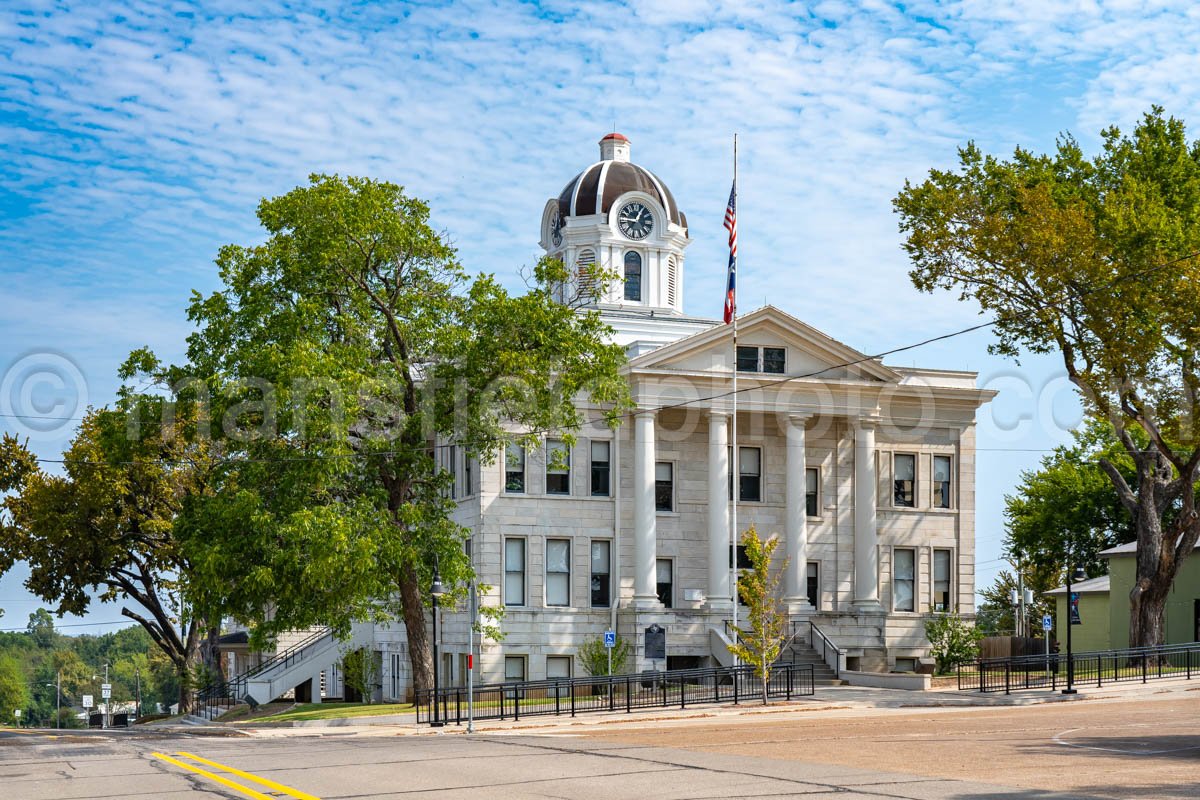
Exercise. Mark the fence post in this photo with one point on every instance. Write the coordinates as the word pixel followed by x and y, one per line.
pixel 1007 672
pixel 1099 671
pixel 1143 667
pixel 1188 654
pixel 628 701
pixel 516 703
pixel 682 694
pixel 664 691
pixel 458 706
pixel 716 687
pixel 502 702
pixel 572 699
pixel 736 675
pixel 557 698
pixel 611 692
pixel 789 684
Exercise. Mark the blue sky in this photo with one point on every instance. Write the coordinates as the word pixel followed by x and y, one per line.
pixel 139 136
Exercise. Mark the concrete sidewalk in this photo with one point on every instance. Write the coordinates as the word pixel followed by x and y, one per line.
pixel 829 701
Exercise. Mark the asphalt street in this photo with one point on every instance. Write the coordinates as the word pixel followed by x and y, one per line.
pixel 1139 746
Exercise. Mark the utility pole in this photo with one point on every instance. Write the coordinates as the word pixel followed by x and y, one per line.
pixel 137 676
pixel 58 701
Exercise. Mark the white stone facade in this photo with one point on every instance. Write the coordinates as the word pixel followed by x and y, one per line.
pixel 821 406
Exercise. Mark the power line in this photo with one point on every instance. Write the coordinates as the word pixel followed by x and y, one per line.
pixel 72 625
pixel 682 404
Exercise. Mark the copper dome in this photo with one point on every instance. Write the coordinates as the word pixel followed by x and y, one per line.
pixel 603 182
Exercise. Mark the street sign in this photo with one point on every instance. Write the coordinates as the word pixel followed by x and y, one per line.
pixel 87 701
pixel 610 638
pixel 17 713
pixel 106 692
pixel 1075 620
pixel 1047 622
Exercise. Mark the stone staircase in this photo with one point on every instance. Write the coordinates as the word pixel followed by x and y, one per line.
pixel 800 653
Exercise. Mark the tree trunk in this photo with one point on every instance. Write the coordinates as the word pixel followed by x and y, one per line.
pixel 419 655
pixel 191 656
pixel 1146 609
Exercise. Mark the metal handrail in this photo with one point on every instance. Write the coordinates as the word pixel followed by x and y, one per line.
pixel 826 642
pixel 287 656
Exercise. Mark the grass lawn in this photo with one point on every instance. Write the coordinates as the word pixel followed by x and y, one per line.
pixel 307 711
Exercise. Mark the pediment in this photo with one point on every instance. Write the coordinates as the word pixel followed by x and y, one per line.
pixel 809 352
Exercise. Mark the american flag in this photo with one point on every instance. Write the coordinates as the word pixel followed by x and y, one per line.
pixel 731 226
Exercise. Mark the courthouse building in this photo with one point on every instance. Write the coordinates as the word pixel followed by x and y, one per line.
pixel 865 471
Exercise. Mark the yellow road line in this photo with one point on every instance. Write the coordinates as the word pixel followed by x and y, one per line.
pixel 213 776
pixel 270 784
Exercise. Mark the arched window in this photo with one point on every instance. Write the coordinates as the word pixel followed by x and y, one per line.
pixel 633 277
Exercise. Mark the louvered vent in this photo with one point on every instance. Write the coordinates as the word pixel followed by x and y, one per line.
pixel 585 271
pixel 672 281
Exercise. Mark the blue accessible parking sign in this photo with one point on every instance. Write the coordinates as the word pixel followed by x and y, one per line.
pixel 610 638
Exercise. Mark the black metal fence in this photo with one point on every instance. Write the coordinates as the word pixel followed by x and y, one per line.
pixel 616 693
pixel 1085 669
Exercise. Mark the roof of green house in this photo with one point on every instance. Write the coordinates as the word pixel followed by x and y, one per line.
pixel 1127 549
pixel 1091 585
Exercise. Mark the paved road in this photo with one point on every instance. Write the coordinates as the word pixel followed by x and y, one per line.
pixel 1138 747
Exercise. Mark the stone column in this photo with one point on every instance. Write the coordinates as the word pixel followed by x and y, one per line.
pixel 796 517
pixel 644 533
pixel 866 550
pixel 719 596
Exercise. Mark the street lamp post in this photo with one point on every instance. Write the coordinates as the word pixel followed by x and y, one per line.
pixel 1079 575
pixel 436 591
pixel 137 676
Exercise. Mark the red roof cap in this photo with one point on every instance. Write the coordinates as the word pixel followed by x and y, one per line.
pixel 617 136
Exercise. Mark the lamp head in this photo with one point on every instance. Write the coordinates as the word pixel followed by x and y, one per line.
pixel 437 589
pixel 1079 575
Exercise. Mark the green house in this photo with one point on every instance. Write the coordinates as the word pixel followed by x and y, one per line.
pixel 1104 604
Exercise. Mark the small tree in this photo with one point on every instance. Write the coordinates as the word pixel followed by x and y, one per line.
pixel 761 643
pixel 951 640
pixel 594 657
pixel 359 671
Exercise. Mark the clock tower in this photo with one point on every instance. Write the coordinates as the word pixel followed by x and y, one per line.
pixel 617 228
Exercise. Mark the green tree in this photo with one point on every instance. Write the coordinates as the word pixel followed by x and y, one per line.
pixel 41 629
pixel 108 523
pixel 1095 260
pixel 14 690
pixel 360 672
pixel 593 655
pixel 1068 505
pixel 761 642
pixel 952 640
pixel 340 359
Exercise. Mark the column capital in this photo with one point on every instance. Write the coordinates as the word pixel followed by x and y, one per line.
pixel 866 421
pixel 800 417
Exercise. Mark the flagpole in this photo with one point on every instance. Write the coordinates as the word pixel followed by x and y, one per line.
pixel 735 483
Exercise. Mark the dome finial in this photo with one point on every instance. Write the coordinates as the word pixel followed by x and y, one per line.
pixel 614 147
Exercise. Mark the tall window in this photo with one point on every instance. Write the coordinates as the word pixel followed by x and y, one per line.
pixel 601 468
pixel 750 478
pixel 559 668
pixel 514 469
pixel 941 481
pixel 452 468
pixel 664 486
pixel 633 276
pixel 514 572
pixel 558 572
pixel 813 584
pixel 810 492
pixel 558 467
pixel 468 477
pixel 601 574
pixel 904 563
pixel 941 580
pixel 665 581
pixel 905 479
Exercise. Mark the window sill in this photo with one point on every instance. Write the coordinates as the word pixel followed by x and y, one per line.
pixel 658 513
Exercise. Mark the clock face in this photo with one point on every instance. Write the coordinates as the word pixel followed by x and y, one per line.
pixel 635 220
pixel 556 226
